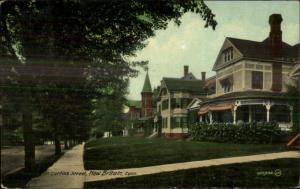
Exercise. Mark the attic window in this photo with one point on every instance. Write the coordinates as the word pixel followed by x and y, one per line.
pixel 228 54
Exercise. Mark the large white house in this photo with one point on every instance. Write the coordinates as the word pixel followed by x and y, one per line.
pixel 252 79
pixel 174 97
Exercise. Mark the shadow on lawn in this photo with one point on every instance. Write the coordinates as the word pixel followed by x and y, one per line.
pixel 20 178
pixel 263 174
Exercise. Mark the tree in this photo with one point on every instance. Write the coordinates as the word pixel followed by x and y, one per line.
pixel 97 35
pixel 108 112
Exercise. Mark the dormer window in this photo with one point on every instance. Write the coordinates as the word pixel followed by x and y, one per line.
pixel 228 54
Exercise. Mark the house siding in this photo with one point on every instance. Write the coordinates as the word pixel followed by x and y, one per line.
pixel 242 76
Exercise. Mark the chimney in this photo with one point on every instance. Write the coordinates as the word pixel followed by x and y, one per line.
pixel 276 50
pixel 275 34
pixel 185 70
pixel 203 76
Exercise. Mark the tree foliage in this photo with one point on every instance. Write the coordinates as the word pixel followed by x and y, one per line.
pixel 98 36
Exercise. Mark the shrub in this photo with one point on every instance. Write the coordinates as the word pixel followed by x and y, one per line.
pixel 255 132
pixel 99 134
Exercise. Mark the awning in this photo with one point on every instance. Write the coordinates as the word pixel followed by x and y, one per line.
pixel 216 107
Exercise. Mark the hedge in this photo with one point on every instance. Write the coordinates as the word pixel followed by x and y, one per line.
pixel 255 132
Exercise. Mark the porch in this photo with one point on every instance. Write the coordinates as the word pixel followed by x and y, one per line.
pixel 247 111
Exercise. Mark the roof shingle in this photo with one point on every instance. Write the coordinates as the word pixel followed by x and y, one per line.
pixel 262 50
pixel 177 84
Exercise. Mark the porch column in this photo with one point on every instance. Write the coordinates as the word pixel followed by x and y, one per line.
pixel 210 117
pixel 250 113
pixel 268 107
pixel 291 115
pixel 234 114
pixel 200 118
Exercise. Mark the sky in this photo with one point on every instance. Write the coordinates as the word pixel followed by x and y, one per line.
pixel 193 45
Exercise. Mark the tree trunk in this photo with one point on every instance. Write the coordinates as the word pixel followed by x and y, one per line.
pixel 56 139
pixel 28 141
pixel 57 145
pixel 66 145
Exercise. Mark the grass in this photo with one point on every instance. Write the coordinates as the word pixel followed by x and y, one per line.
pixel 129 152
pixel 247 175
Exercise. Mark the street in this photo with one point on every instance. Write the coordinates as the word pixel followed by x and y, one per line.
pixel 13 157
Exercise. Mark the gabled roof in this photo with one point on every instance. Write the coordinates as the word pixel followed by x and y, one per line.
pixel 210 82
pixel 147 85
pixel 155 95
pixel 189 76
pixel 178 84
pixel 194 104
pixel 261 50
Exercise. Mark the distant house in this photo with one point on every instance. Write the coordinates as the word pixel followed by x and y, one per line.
pixel 140 115
pixel 251 80
pixel 174 97
pixel 134 109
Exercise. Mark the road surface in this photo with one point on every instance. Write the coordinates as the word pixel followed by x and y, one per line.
pixel 12 158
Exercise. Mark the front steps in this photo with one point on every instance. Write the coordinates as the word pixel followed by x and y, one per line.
pixel 294 143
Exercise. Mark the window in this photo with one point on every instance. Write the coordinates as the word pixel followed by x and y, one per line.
pixel 228 54
pixel 257 80
pixel 184 122
pixel 178 122
pixel 227 84
pixel 227 88
pixel 180 102
pixel 185 102
pixel 164 91
pixel 164 122
pixel 173 103
pixel 175 122
pixel 165 104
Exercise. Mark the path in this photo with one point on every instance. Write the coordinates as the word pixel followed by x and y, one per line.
pixel 121 173
pixel 56 176
pixel 12 158
pixel 68 171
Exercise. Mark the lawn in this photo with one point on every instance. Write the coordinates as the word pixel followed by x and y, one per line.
pixel 282 173
pixel 129 152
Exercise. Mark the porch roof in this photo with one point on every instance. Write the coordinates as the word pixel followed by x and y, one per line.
pixel 216 107
pixel 248 94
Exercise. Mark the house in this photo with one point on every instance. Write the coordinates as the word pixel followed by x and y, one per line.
pixel 140 114
pixel 134 109
pixel 251 80
pixel 174 97
pixel 193 108
pixel 132 115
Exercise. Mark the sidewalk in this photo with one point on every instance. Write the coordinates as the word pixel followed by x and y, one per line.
pixel 98 175
pixel 59 175
pixel 68 171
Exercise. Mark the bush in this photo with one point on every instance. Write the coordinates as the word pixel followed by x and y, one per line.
pixel 255 132
pixel 99 134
